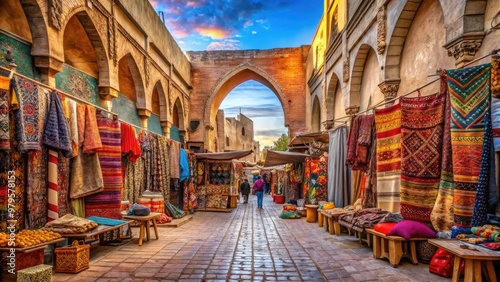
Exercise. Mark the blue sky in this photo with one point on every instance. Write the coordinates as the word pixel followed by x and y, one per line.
pixel 239 25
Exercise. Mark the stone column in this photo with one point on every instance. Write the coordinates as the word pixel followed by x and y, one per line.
pixel 465 47
pixel 390 90
pixel 165 126
pixel 352 110
pixel 106 95
pixel 48 67
pixel 144 114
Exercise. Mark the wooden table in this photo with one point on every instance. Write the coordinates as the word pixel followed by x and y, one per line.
pixel 477 261
pixel 144 224
pixel 331 221
pixel 32 248
pixel 100 229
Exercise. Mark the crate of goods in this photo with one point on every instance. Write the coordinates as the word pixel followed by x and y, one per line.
pixel 74 258
pixel 39 273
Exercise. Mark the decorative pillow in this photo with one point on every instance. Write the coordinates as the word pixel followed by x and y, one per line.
pixel 411 229
pixel 384 227
pixel 141 210
pixel 392 217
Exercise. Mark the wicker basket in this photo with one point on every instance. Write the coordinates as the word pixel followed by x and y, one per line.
pixel 73 259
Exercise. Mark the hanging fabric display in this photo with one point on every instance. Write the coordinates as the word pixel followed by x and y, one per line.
pixel 495 121
pixel 56 134
pixel 134 180
pixel 495 76
pixel 4 113
pixel 174 159
pixel 164 165
pixel 356 185
pixel 307 179
pixel 5 147
pixel 183 165
pixel 130 145
pixel 36 189
pixel 107 203
pixel 370 183
pixel 338 182
pixel 421 138
pixel 470 95
pixel 296 179
pixel 388 124
pixel 63 185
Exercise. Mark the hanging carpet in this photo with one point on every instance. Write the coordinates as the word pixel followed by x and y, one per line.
pixel 338 173
pixel 388 124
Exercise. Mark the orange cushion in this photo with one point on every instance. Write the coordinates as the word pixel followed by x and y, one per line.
pixel 384 227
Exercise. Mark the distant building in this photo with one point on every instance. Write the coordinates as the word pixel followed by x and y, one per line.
pixel 236 134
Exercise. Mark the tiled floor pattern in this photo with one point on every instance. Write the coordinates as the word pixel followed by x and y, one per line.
pixel 247 244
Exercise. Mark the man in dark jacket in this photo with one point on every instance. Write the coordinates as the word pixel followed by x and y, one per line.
pixel 245 190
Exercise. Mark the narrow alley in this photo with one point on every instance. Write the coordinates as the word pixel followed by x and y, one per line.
pixel 246 244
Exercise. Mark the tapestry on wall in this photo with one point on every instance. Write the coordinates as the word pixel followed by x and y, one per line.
pixel 107 203
pixel 422 140
pixel 470 96
pixel 4 113
pixel 307 179
pixel 79 84
pixel 36 189
pixel 388 125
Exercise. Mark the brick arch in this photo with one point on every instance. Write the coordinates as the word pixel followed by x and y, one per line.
pixel 235 77
pixel 357 75
pixel 330 96
pixel 316 115
pixel 97 43
pixel 180 111
pixel 163 101
pixel 38 28
pixel 140 94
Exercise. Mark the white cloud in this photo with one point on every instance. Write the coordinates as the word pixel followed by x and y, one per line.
pixel 226 44
pixel 254 32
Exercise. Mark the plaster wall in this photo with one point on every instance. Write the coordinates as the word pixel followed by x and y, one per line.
pixel 13 19
pixel 491 40
pixel 370 92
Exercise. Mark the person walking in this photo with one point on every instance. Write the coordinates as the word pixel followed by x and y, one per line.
pixel 258 187
pixel 245 190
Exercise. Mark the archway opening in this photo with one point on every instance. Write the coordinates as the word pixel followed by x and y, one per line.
pixel 13 19
pixel 78 50
pixel 369 92
pixel 155 102
pixel 316 115
pixel 252 117
pixel 125 78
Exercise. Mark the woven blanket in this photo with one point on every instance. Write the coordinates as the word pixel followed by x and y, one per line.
pixel 4 113
pixel 174 159
pixel 370 191
pixel 495 122
pixel 388 125
pixel 365 218
pixel 422 140
pixel 470 95
pixel 495 76
pixel 442 217
pixel 107 203
pixel 134 179
pixel 105 221
pixel 18 167
pixel 57 134
pixel 352 143
pixel 36 189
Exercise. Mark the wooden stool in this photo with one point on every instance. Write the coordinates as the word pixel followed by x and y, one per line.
pixel 39 273
pixel 393 248
pixel 320 218
pixel 144 222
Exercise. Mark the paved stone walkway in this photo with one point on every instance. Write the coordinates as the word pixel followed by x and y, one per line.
pixel 248 244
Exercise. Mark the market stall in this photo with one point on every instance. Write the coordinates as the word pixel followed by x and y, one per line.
pixel 217 188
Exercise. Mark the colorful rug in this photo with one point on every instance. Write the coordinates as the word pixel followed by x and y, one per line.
pixel 370 185
pixel 36 189
pixel 422 141
pixel 174 159
pixel 4 113
pixel 307 179
pixel 107 203
pixel 56 133
pixel 18 192
pixel 63 179
pixel 442 217
pixel 470 95
pixel 388 124
pixel 27 117
pixel 4 176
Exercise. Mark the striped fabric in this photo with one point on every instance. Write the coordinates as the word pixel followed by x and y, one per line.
pixel 107 203
pixel 470 100
pixel 388 125
pixel 53 187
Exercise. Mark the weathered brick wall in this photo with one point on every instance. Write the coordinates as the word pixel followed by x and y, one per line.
pixel 216 73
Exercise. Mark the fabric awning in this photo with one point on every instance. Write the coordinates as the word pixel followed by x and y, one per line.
pixel 274 158
pixel 307 138
pixel 223 155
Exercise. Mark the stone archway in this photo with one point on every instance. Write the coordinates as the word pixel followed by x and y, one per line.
pixel 330 97
pixel 357 75
pixel 316 115
pixel 216 73
pixel 130 79
pixel 161 103
pixel 178 114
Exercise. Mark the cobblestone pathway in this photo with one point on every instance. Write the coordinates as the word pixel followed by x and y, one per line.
pixel 248 244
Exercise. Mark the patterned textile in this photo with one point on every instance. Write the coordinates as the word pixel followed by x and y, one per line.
pixel 422 141
pixel 107 203
pixel 297 173
pixel 192 202
pixel 56 134
pixel 36 189
pixel 370 184
pixel 307 179
pixel 388 124
pixel 130 144
pixel 63 180
pixel 425 251
pixel 174 159
pixel 480 210
pixel 442 214
pixel 18 166
pixel 29 120
pixel 358 142
pixel 470 94
pixel 134 179
pixel 185 197
pixel 88 131
pixel 495 76
pixel 352 143
pixel 365 218
pixel 164 166
pixel 338 173
pixel 217 201
pixel 4 113
pixel 4 176
pixel 495 122
pixel 73 125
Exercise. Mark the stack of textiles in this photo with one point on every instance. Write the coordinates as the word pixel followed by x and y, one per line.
pixel 362 219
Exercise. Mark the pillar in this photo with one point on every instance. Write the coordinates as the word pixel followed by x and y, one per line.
pixel 465 47
pixel 165 126
pixel 48 67
pixel 144 114
pixel 390 90
pixel 106 95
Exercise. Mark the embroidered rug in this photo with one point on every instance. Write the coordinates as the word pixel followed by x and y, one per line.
pixel 174 159
pixel 63 185
pixel 470 95
pixel 57 134
pixel 388 124
pixel 36 189
pixel 18 166
pixel 4 113
pixel 442 217
pixel 421 143
pixel 107 203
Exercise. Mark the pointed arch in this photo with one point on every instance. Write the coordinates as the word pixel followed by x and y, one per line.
pixel 357 74
pixel 162 101
pixel 330 96
pixel 38 28
pixel 96 41
pixel 178 114
pixel 130 79
pixel 316 115
pixel 235 77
